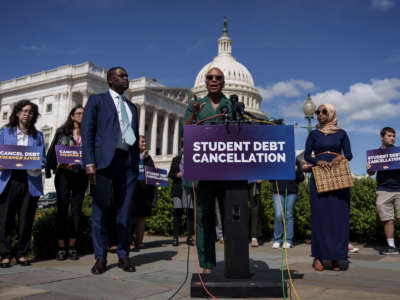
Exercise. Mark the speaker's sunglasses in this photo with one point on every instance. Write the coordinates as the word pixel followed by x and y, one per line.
pixel 212 77
pixel 324 111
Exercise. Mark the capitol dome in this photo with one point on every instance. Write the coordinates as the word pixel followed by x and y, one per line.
pixel 238 79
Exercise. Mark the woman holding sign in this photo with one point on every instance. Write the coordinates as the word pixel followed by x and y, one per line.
pixel 182 193
pixel 330 211
pixel 19 189
pixel 71 183
pixel 144 195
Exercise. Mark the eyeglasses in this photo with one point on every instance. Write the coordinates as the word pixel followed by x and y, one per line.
pixel 27 112
pixel 214 77
pixel 324 111
pixel 78 113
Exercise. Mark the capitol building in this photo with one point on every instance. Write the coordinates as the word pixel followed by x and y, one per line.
pixel 160 108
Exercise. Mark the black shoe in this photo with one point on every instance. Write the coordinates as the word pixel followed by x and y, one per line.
pixel 99 267
pixel 126 264
pixel 175 242
pixel 112 250
pixel 389 251
pixel 189 241
pixel 5 264
pixel 73 254
pixel 23 263
pixel 343 265
pixel 61 254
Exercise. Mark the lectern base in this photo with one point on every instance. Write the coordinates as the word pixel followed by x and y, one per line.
pixel 257 286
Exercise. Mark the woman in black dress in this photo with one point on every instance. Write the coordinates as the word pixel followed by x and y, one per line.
pixel 71 183
pixel 143 197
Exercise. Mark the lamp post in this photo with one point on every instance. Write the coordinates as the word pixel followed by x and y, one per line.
pixel 309 110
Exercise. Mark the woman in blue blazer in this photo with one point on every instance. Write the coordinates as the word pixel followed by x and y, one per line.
pixel 19 189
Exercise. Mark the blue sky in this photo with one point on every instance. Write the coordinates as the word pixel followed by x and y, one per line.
pixel 343 52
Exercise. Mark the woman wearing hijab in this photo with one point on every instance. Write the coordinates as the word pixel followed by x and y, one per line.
pixel 330 211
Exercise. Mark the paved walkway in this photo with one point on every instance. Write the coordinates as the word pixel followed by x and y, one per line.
pixel 161 269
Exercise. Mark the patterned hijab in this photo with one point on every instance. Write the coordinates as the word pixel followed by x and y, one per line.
pixel 329 127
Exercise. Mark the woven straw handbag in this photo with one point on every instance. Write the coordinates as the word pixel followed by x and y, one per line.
pixel 337 178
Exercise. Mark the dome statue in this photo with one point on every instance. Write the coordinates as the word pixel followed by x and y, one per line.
pixel 238 79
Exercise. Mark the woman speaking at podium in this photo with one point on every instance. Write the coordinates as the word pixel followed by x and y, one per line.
pixel 196 111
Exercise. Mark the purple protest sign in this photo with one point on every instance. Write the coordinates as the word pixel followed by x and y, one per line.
pixel 239 152
pixel 20 157
pixel 384 159
pixel 69 154
pixel 156 176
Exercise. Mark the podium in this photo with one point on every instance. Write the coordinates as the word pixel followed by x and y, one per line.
pixel 236 153
pixel 237 281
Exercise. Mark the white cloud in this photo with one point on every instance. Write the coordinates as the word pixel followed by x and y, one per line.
pixel 287 89
pixel 361 108
pixel 370 129
pixel 382 5
pixel 379 99
pixel 292 110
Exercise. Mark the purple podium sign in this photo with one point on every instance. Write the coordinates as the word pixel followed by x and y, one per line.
pixel 20 157
pixel 239 152
pixel 156 176
pixel 384 159
pixel 69 154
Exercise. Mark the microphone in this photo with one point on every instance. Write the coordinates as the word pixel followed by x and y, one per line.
pixel 237 108
pixel 224 111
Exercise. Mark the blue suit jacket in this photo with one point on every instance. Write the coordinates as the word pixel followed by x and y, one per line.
pixel 8 136
pixel 101 132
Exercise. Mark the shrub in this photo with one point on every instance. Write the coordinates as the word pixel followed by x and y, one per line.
pixel 44 237
pixel 365 225
pixel 161 220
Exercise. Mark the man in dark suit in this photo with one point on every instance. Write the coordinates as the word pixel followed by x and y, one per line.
pixel 111 157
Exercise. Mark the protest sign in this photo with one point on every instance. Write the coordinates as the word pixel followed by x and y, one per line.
pixel 156 176
pixel 239 152
pixel 384 159
pixel 20 157
pixel 69 154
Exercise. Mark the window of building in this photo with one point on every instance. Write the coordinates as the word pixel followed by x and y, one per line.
pixel 47 136
pixel 5 115
pixel 49 107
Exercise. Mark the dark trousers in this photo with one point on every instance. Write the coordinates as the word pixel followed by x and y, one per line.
pixel 70 188
pixel 178 212
pixel 207 192
pixel 255 206
pixel 16 200
pixel 112 223
pixel 120 179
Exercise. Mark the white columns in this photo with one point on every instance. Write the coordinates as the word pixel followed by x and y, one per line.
pixel 165 135
pixel 153 145
pixel 85 96
pixel 175 146
pixel 142 120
